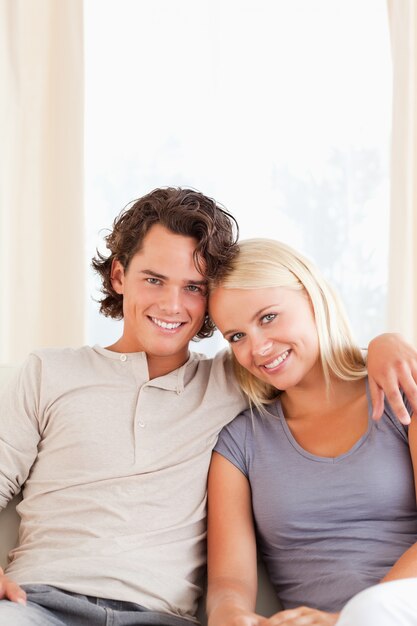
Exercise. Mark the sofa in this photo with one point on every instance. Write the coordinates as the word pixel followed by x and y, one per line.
pixel 267 602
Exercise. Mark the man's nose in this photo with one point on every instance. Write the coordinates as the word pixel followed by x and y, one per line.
pixel 171 301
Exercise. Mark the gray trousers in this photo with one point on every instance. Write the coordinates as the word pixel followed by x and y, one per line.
pixel 49 606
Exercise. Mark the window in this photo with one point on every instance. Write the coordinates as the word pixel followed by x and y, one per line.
pixel 278 109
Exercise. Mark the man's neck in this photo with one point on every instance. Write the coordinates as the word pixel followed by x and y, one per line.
pixel 160 366
pixel 157 365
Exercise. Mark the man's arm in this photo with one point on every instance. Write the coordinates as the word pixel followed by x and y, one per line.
pixel 19 428
pixel 19 436
pixel 392 365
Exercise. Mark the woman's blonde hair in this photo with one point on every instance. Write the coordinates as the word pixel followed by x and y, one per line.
pixel 264 263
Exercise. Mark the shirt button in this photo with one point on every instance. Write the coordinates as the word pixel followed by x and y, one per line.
pixel 142 425
pixel 123 357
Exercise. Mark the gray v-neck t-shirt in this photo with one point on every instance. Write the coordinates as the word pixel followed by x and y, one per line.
pixel 327 527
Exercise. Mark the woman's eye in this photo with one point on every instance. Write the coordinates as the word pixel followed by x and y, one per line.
pixel 268 317
pixel 236 337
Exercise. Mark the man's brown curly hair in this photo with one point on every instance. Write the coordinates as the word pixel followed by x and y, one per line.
pixel 182 211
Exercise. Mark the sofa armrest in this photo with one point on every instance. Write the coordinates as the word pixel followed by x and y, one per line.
pixel 9 529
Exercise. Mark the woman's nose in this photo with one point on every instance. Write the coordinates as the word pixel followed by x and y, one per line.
pixel 262 348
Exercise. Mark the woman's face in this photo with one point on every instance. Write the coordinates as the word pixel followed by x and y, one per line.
pixel 271 331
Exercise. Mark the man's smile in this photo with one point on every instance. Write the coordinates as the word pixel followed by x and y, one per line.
pixel 165 324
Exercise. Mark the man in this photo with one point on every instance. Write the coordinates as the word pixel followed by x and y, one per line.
pixel 111 446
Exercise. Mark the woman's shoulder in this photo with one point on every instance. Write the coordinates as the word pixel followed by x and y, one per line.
pixel 251 419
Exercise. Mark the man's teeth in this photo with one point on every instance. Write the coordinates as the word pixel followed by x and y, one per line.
pixel 168 325
pixel 277 361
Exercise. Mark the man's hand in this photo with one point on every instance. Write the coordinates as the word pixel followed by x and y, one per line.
pixel 392 364
pixel 302 616
pixel 10 590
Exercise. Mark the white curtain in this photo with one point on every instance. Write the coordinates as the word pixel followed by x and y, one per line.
pixel 402 294
pixel 41 175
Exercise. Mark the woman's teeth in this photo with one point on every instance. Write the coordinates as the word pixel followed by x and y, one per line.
pixel 277 361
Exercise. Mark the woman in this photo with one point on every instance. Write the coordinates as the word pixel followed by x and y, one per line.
pixel 329 492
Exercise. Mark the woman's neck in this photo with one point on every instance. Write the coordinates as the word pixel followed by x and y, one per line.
pixel 329 421
pixel 304 399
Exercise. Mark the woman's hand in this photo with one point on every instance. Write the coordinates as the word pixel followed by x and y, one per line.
pixel 302 616
pixel 10 590
pixel 237 617
pixel 392 365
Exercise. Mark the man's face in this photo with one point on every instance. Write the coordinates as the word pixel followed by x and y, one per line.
pixel 164 299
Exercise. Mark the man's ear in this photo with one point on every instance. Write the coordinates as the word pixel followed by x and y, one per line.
pixel 117 276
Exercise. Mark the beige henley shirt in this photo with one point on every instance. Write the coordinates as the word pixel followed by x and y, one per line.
pixel 113 468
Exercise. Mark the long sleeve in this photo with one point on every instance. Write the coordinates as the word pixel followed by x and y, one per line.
pixel 19 428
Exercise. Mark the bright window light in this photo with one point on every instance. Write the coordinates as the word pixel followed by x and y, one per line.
pixel 279 109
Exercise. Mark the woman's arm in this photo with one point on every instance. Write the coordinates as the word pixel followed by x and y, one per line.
pixel 392 364
pixel 406 566
pixel 232 569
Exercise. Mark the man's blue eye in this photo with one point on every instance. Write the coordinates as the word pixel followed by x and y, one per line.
pixel 153 281
pixel 197 289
